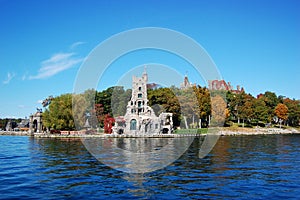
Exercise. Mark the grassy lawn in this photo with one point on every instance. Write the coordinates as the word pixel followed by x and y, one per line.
pixel 186 131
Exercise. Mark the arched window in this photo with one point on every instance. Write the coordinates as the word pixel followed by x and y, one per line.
pixel 139 104
pixel 133 124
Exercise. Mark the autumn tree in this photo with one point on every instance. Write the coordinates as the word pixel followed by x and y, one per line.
pixel 247 108
pixel 281 111
pixel 83 108
pixel 189 105
pixel 99 112
pixel 218 110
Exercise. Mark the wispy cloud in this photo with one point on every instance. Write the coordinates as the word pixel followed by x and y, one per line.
pixel 24 77
pixel 75 44
pixel 55 64
pixel 9 77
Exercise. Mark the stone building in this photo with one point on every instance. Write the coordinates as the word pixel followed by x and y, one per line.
pixel 35 122
pixel 222 85
pixel 140 117
pixel 186 83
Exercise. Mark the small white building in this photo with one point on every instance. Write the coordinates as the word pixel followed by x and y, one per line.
pixel 140 118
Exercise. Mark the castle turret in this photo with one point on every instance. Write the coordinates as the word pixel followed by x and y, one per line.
pixel 139 102
pixel 140 118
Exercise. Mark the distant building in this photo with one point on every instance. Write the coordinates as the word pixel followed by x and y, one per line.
pixel 238 90
pixel 12 125
pixel 186 84
pixel 24 125
pixel 222 85
pixel 153 86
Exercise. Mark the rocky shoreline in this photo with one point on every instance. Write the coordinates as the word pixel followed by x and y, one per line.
pixel 223 132
pixel 16 133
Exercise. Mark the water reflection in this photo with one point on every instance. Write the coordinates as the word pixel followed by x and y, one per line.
pixel 138 180
pixel 137 155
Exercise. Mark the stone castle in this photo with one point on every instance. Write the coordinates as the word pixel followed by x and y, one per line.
pixel 140 118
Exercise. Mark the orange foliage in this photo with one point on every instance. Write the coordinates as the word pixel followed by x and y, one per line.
pixel 281 111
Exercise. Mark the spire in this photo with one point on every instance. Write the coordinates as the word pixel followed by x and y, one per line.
pixel 145 75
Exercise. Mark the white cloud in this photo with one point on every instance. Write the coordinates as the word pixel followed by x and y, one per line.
pixel 9 77
pixel 39 101
pixel 57 63
pixel 75 44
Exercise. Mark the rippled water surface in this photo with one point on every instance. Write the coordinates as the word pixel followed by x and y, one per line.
pixel 249 167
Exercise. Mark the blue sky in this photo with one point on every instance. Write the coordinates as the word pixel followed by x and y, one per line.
pixel 254 43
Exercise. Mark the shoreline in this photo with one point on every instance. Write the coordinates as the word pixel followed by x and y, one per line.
pixel 222 132
pixel 258 131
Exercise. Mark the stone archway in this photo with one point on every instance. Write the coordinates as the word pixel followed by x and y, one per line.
pixel 35 122
pixel 34 125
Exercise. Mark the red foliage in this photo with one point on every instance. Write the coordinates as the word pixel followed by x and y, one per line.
pixel 99 112
pixel 108 123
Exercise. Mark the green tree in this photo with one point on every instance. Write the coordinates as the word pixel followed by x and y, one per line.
pixel 164 100
pixel 236 102
pixel 260 109
pixel 59 114
pixel 119 100
pixel 271 100
pixel 104 98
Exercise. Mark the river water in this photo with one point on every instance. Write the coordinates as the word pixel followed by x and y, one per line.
pixel 241 167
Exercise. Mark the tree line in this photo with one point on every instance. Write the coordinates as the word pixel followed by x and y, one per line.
pixel 193 107
pixel 4 121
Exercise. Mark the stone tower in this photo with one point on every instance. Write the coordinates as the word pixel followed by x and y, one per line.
pixel 139 100
pixel 140 118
